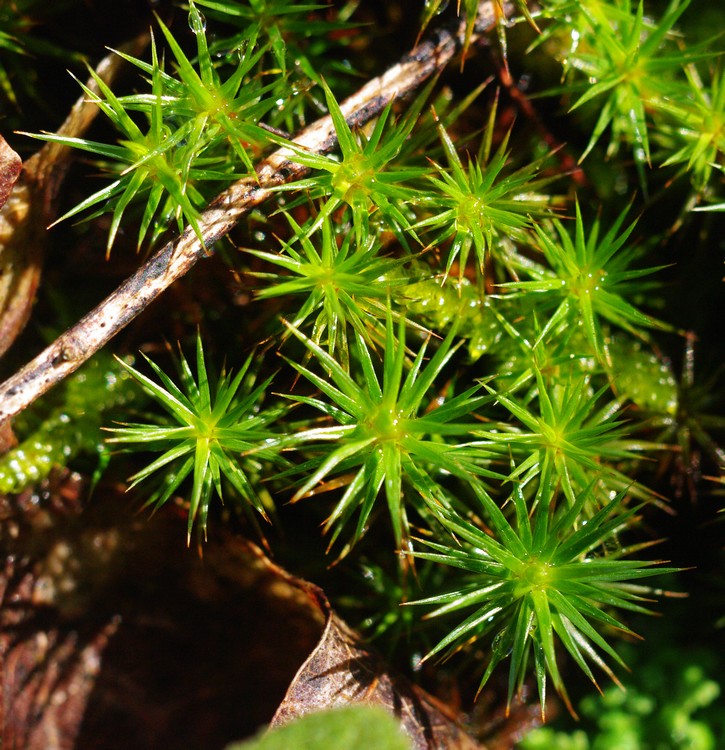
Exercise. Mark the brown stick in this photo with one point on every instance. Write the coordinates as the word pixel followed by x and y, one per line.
pixel 79 343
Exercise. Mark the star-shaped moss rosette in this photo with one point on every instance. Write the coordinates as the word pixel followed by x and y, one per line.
pixel 474 206
pixel 344 287
pixel 193 139
pixel 383 435
pixel 569 435
pixel 211 431
pixel 630 64
pixel 367 179
pixel 693 126
pixel 588 280
pixel 538 578
pixel 301 41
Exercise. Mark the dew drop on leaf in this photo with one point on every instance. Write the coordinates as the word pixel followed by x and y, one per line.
pixel 501 645
pixel 197 21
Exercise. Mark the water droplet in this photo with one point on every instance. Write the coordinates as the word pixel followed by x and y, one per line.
pixel 501 645
pixel 417 661
pixel 197 21
pixel 437 10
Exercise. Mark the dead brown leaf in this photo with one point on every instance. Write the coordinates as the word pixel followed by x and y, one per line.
pixel 10 166
pixel 114 635
pixel 341 671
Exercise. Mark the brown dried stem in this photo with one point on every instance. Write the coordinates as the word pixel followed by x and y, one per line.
pixel 70 350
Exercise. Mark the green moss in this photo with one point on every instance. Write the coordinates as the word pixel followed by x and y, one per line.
pixel 471 373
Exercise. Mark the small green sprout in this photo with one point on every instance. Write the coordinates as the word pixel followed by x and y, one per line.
pixel 630 65
pixel 211 431
pixel 366 177
pixel 568 436
pixel 478 206
pixel 384 436
pixel 588 282
pixel 345 287
pixel 694 126
pixel 301 42
pixel 537 579
pixel 195 140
